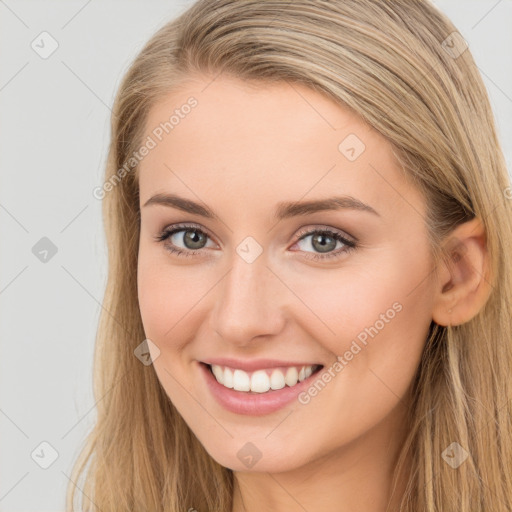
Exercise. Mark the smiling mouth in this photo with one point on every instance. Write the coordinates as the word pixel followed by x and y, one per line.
pixel 264 380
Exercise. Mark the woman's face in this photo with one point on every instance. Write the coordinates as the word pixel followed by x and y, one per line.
pixel 258 174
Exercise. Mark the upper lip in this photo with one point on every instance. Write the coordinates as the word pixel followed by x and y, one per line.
pixel 254 364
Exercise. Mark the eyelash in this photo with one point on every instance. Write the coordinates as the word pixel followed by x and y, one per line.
pixel 349 244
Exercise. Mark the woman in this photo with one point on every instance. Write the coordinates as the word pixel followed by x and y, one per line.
pixel 309 295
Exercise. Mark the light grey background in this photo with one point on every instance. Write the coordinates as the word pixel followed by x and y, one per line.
pixel 54 138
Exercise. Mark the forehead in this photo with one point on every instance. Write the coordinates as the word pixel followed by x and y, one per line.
pixel 259 143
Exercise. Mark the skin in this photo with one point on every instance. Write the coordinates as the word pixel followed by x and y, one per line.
pixel 242 150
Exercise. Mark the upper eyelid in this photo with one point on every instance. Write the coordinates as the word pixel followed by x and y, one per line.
pixel 321 228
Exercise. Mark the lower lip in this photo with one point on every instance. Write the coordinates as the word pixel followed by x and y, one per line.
pixel 250 403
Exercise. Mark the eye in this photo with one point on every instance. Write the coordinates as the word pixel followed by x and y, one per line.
pixel 193 238
pixel 325 240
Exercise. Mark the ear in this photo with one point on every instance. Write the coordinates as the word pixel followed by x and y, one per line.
pixel 463 287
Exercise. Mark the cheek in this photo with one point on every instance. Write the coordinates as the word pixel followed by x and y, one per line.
pixel 167 296
pixel 379 320
pixel 155 298
pixel 170 297
pixel 384 305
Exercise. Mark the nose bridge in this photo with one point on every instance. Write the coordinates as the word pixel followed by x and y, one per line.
pixel 246 304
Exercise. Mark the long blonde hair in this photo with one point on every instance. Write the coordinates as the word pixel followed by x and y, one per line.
pixel 404 69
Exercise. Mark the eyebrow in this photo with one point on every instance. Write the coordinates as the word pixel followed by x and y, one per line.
pixel 284 210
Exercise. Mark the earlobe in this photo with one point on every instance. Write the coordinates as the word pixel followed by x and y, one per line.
pixel 463 286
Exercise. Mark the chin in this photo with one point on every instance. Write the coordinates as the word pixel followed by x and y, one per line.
pixel 259 456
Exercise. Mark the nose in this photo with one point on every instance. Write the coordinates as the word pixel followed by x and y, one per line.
pixel 247 303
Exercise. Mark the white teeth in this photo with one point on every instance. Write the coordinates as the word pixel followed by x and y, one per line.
pixel 219 374
pixel 261 381
pixel 228 377
pixel 241 381
pixel 277 380
pixel 292 376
